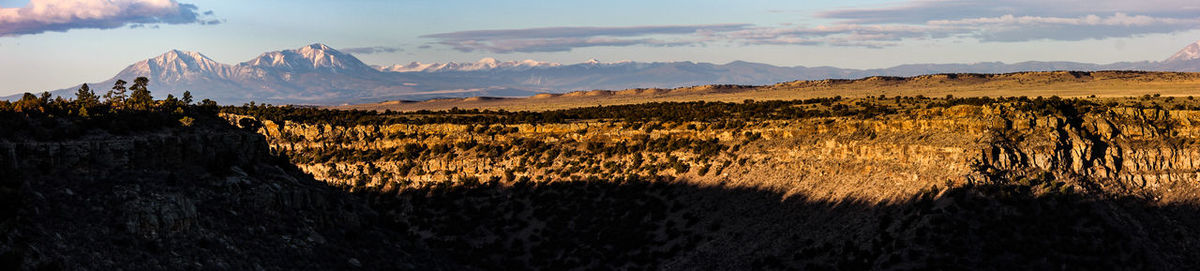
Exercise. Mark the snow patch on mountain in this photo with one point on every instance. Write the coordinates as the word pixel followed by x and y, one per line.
pixel 313 57
pixel 177 65
pixel 1191 52
pixel 484 64
pixel 490 64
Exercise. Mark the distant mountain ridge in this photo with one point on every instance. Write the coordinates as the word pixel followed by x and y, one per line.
pixel 482 64
pixel 321 75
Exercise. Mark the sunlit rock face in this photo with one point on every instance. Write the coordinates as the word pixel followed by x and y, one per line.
pixel 852 184
pixel 924 187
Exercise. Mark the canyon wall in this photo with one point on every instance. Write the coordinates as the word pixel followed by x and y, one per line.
pixel 180 198
pixel 1149 152
pixel 927 187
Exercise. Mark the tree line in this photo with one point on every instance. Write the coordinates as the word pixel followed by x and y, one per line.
pixel 45 117
pixel 698 111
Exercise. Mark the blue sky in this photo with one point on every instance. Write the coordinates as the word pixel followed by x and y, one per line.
pixel 49 50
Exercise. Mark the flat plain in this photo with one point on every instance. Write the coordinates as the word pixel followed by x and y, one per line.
pixel 1064 84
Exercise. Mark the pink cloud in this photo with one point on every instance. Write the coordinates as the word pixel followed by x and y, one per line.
pixel 41 16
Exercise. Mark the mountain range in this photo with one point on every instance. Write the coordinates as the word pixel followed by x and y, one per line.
pixel 320 75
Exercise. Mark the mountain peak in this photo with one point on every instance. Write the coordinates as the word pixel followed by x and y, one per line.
pixel 312 57
pixel 180 55
pixel 318 46
pixel 175 65
pixel 181 61
pixel 1191 52
pixel 317 49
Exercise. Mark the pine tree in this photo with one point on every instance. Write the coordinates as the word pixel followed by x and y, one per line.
pixel 172 104
pixel 140 99
pixel 116 96
pixel 29 103
pixel 187 97
pixel 84 97
pixel 45 98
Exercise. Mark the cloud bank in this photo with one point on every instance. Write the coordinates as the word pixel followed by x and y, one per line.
pixel 1025 20
pixel 981 20
pixel 41 16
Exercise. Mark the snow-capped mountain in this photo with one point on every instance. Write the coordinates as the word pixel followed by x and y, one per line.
pixel 482 65
pixel 314 57
pixel 1189 53
pixel 488 65
pixel 177 65
pixel 311 74
pixel 318 74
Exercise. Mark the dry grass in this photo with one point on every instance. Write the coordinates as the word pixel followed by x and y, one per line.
pixel 1064 84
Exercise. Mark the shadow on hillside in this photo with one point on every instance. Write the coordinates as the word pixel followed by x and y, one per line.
pixel 236 206
pixel 206 197
pixel 658 223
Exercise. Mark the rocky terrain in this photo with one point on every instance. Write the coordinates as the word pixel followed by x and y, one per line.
pixel 883 182
pixel 886 183
pixel 209 197
pixel 903 145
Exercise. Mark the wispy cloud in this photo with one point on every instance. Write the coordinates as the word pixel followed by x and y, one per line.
pixel 41 16
pixel 982 20
pixel 371 50
pixel 1004 28
pixel 1012 28
pixel 922 11
pixel 846 35
pixel 1025 20
pixel 558 39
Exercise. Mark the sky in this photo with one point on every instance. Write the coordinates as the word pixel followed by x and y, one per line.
pixel 52 44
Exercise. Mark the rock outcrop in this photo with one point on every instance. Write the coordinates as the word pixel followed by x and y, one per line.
pixel 182 199
pixel 1133 151
pixel 1041 184
pixel 908 183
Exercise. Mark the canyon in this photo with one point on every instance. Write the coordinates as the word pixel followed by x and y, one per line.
pixel 879 182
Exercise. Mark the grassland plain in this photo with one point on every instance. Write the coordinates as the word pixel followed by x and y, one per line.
pixel 1059 83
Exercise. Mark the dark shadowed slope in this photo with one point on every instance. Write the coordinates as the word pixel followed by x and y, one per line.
pixel 208 197
pixel 1054 184
pixel 214 198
